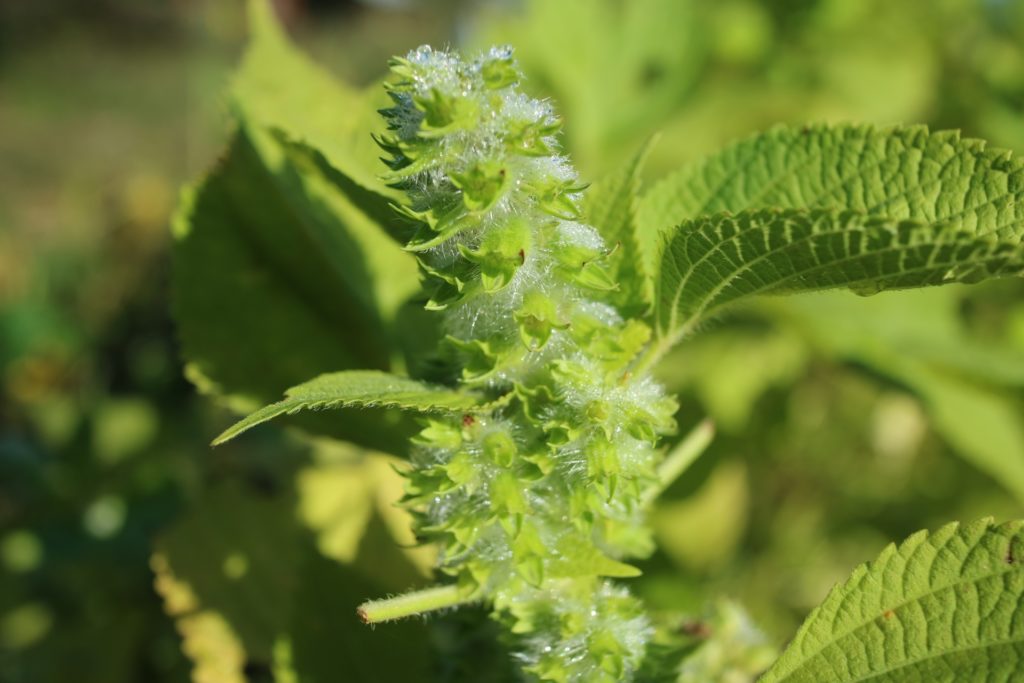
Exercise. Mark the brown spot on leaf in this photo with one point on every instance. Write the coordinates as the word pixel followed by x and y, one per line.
pixel 468 420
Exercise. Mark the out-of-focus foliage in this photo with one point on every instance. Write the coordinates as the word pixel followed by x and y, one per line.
pixel 97 429
pixel 705 73
pixel 844 422
pixel 261 584
pixel 107 110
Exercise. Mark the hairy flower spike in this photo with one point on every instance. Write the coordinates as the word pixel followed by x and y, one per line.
pixel 535 505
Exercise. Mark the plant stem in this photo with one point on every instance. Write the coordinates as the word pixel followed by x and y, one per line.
pixel 411 604
pixel 657 350
pixel 680 458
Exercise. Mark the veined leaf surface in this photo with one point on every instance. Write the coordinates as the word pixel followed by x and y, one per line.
pixel 903 172
pixel 713 261
pixel 942 607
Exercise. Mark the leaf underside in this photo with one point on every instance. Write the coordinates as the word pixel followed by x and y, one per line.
pixel 941 607
pixel 357 388
pixel 711 262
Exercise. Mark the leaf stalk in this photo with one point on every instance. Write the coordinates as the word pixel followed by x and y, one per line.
pixel 681 457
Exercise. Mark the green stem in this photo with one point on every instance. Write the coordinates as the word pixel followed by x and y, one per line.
pixel 656 351
pixel 411 604
pixel 680 458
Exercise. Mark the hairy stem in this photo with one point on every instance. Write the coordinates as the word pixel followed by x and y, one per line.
pixel 680 458
pixel 411 604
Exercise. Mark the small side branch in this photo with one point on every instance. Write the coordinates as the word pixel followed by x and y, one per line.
pixel 680 458
pixel 411 604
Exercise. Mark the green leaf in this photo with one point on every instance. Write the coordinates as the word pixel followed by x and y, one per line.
pixel 284 267
pixel 731 368
pixel 941 607
pixel 936 333
pixel 894 172
pixel 899 173
pixel 713 261
pixel 278 277
pixel 357 389
pixel 278 89
pixel 610 206
pixel 578 557
pixel 981 424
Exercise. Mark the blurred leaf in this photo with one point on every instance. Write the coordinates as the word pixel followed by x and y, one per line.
pixel 702 532
pixel 942 606
pixel 278 89
pixel 924 325
pixel 731 368
pixel 611 208
pixel 270 288
pixel 357 389
pixel 980 424
pixel 283 269
pixel 916 338
pixel 647 52
pixel 251 592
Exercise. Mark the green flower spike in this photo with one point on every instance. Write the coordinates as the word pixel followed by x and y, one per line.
pixel 535 505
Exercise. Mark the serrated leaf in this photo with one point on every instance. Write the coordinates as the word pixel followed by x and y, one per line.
pixel 713 261
pixel 899 173
pixel 903 172
pixel 945 606
pixel 358 389
pixel 284 267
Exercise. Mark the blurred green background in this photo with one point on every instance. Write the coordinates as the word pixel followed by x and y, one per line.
pixel 844 422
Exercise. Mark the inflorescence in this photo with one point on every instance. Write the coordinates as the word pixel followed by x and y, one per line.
pixel 536 504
